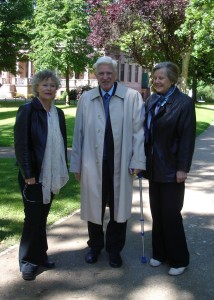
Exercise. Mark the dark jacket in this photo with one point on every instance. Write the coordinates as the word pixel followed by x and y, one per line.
pixel 170 141
pixel 30 136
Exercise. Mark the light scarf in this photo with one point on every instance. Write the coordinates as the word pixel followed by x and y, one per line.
pixel 54 172
pixel 159 100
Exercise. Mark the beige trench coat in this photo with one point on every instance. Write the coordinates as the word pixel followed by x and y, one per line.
pixel 126 111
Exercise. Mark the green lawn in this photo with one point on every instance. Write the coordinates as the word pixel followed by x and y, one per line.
pixel 8 110
pixel 11 212
pixel 204 116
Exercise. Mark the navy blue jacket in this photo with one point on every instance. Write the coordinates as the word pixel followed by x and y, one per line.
pixel 30 136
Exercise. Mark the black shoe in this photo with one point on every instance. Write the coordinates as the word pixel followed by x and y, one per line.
pixel 49 264
pixel 115 260
pixel 29 275
pixel 92 256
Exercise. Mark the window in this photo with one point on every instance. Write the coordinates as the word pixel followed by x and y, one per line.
pixel 130 73
pixel 122 68
pixel 136 73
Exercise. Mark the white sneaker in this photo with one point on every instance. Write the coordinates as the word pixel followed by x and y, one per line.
pixel 154 262
pixel 176 271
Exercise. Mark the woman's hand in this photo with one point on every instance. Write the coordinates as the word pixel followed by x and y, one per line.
pixel 30 181
pixel 181 176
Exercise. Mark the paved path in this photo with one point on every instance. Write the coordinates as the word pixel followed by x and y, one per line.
pixel 74 279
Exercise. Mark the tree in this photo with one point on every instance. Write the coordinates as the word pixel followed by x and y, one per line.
pixel 156 30
pixel 145 30
pixel 59 37
pixel 199 21
pixel 14 15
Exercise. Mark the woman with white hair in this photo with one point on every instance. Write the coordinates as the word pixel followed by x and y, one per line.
pixel 169 144
pixel 107 148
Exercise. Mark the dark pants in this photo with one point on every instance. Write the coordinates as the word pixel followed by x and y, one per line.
pixel 115 232
pixel 168 236
pixel 33 244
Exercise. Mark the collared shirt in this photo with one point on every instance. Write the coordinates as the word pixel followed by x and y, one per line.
pixel 110 92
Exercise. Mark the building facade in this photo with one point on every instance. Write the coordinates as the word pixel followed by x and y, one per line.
pixel 129 73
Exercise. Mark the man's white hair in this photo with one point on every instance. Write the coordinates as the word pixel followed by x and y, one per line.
pixel 106 60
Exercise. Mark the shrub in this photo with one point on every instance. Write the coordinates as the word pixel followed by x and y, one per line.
pixel 30 96
pixel 62 97
pixel 206 93
pixel 73 94
pixel 19 95
pixel 83 89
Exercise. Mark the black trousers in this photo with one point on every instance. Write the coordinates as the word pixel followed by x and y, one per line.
pixel 33 245
pixel 115 232
pixel 168 236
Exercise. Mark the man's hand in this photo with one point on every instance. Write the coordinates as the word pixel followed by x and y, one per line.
pixel 134 172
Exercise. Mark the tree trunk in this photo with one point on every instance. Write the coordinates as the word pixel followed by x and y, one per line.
pixel 67 85
pixel 194 87
pixel 185 69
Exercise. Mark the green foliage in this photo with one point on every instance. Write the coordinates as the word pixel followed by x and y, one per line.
pixel 14 17
pixel 19 95
pixel 144 30
pixel 199 29
pixel 8 110
pixel 30 96
pixel 62 97
pixel 204 116
pixel 73 94
pixel 206 93
pixel 59 37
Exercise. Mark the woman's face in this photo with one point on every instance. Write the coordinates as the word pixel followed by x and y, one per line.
pixel 46 90
pixel 161 82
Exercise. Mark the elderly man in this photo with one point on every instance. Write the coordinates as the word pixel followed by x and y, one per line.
pixel 108 148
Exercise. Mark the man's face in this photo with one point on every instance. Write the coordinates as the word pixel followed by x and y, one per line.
pixel 105 76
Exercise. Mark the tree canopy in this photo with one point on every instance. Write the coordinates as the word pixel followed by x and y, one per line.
pixel 199 27
pixel 157 30
pixel 14 16
pixel 59 37
pixel 145 30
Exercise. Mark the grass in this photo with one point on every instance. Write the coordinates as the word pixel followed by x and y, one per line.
pixel 204 116
pixel 11 213
pixel 8 110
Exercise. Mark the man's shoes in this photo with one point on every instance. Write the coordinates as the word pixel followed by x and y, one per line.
pixel 176 271
pixel 29 275
pixel 115 260
pixel 49 264
pixel 154 262
pixel 92 256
